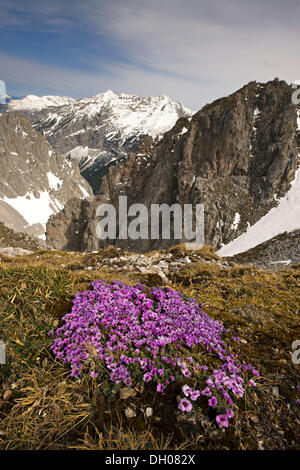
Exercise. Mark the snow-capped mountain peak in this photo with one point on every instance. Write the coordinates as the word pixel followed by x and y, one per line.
pixel 98 130
pixel 105 96
pixel 37 103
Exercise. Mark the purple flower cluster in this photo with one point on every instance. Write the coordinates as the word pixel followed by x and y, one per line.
pixel 143 338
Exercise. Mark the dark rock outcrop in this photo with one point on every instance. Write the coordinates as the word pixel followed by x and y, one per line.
pixel 280 251
pixel 9 238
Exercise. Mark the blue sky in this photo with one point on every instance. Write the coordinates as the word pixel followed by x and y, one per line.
pixel 192 50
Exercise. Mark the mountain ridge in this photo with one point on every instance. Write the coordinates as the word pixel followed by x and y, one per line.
pixel 97 131
pixel 237 155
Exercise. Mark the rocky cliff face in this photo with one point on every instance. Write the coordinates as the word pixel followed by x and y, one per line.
pixel 35 181
pixel 97 131
pixel 237 155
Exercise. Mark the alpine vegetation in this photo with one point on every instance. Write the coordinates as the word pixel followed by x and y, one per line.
pixel 133 337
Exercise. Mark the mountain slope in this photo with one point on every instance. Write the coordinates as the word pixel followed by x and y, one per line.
pixel 35 181
pixel 276 253
pixel 283 218
pixel 99 130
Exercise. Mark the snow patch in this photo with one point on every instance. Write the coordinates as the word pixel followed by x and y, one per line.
pixel 183 131
pixel 283 218
pixel 54 181
pixel 35 209
pixel 236 221
pixel 84 191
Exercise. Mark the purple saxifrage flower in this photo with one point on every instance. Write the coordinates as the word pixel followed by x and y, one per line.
pixel 212 402
pixel 160 388
pixel 185 405
pixel 186 390
pixel 147 377
pixel 141 336
pixel 222 420
pixel 229 413
pixel 195 394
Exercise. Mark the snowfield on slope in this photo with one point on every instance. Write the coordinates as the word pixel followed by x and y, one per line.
pixel 35 209
pixel 283 218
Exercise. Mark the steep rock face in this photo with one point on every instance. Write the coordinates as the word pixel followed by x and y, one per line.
pixel 97 131
pixel 68 229
pixel 35 181
pixel 237 155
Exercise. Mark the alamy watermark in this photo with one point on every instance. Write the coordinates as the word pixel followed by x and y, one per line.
pixel 184 223
pixel 295 358
pixel 3 94
pixel 296 93
pixel 296 353
pixel 2 352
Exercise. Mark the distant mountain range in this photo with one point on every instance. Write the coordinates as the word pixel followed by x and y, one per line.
pixel 238 155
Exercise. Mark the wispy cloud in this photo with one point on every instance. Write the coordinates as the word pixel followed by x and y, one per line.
pixel 194 51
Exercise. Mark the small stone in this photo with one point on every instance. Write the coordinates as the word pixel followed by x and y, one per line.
pixel 163 264
pixel 7 395
pixel 275 392
pixel 130 413
pixel 127 392
pixel 155 268
pixel 255 419
pixel 148 412
pixel 142 269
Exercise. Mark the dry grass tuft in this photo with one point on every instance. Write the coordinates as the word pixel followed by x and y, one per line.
pixel 46 409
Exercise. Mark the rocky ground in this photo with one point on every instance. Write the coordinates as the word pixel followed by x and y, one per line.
pixel 274 254
pixel 162 264
pixel 42 407
pixel 12 243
